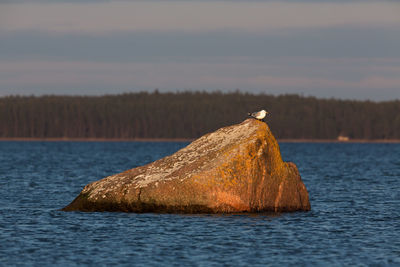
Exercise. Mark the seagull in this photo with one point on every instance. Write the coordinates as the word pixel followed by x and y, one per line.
pixel 259 115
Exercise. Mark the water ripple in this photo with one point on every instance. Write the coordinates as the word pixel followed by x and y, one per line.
pixel 354 192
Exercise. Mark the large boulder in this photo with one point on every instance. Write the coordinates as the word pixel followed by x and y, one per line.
pixel 234 169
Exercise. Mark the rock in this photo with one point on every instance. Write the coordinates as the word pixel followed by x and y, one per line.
pixel 234 169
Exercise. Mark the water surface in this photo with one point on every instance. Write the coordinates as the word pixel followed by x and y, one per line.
pixel 354 192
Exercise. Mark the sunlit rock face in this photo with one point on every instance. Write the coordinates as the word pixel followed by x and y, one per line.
pixel 234 169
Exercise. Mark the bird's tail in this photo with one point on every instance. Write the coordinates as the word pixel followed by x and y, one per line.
pixel 248 113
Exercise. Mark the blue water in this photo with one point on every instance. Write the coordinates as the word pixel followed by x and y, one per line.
pixel 354 192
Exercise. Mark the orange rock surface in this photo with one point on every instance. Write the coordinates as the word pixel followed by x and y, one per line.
pixel 234 169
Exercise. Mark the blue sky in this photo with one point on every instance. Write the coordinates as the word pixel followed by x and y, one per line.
pixel 342 49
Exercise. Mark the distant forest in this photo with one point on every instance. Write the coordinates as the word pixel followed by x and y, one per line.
pixel 192 114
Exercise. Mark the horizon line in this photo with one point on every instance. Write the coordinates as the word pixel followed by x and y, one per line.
pixel 204 91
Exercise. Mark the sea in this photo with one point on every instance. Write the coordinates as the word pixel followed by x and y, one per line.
pixel 354 191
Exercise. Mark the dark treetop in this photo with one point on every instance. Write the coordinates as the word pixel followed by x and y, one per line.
pixel 191 114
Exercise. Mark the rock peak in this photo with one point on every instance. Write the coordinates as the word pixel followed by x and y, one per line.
pixel 234 169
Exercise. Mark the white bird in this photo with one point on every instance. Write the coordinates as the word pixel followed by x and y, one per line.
pixel 259 115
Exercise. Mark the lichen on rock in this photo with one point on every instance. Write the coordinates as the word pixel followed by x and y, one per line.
pixel 234 169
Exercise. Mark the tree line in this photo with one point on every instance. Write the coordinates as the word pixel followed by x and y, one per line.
pixel 192 114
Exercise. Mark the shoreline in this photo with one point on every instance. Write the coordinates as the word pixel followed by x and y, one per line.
pixel 65 139
pixel 25 139
pixel 377 141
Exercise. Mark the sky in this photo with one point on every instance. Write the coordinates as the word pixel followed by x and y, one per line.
pixel 327 48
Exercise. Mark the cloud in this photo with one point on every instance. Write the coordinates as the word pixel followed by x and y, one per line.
pixel 193 16
pixel 345 49
pixel 350 42
pixel 95 77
